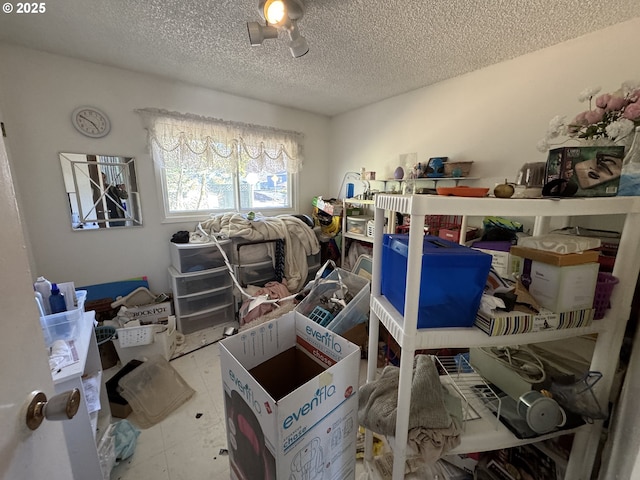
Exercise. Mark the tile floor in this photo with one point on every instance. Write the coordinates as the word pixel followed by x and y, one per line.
pixel 183 447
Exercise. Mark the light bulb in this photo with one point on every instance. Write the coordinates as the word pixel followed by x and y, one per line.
pixel 274 11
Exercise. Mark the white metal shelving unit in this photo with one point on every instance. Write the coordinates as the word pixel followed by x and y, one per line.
pixel 610 330
pixel 353 236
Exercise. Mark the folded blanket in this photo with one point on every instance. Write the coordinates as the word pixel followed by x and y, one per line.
pixel 435 416
pixel 378 400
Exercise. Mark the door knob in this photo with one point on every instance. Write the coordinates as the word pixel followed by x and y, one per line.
pixel 61 407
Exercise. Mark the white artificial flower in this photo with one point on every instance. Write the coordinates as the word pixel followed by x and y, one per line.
pixel 620 128
pixel 542 145
pixel 629 86
pixel 588 93
pixel 556 124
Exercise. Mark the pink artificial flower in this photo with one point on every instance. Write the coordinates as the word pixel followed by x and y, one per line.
pixel 632 112
pixel 581 119
pixel 616 103
pixel 603 100
pixel 594 116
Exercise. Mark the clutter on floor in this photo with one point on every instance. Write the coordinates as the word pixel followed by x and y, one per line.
pixel 154 389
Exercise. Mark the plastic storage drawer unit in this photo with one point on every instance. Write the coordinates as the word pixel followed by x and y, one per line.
pixel 206 319
pixel 203 301
pixel 256 273
pixel 357 225
pixel 452 282
pixel 194 257
pixel 190 283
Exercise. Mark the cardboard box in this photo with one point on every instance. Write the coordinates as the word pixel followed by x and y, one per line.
pixel 502 261
pixel 558 259
pixel 561 289
pixel 523 319
pixel 291 402
pixel 327 207
pixel 592 171
pixel 453 234
pixel 152 313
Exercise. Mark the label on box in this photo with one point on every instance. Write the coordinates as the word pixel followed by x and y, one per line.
pixel 147 314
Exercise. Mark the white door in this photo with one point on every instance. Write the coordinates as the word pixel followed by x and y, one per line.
pixel 24 454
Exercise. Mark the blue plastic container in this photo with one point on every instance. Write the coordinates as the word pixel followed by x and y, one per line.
pixel 452 282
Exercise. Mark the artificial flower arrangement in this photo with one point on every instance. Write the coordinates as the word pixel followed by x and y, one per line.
pixel 610 119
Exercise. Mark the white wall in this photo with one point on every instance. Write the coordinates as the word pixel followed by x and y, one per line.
pixel 494 116
pixel 38 92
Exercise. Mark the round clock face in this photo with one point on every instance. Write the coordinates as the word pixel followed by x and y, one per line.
pixel 91 122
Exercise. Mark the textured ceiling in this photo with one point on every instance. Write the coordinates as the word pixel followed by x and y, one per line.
pixel 361 51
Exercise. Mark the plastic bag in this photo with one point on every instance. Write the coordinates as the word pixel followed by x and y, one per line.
pixel 126 436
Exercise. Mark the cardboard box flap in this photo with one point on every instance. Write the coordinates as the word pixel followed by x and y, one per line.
pixel 553 258
pixel 252 347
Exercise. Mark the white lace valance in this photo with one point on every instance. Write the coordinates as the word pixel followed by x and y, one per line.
pixel 223 145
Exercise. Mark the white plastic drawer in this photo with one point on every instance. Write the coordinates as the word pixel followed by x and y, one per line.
pixel 256 274
pixel 195 257
pixel 190 283
pixel 211 318
pixel 192 304
pixel 246 253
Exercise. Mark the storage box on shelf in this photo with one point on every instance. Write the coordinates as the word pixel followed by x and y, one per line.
pixel 64 325
pixel 404 328
pixel 358 225
pixel 452 283
pixel 503 262
pixel 561 289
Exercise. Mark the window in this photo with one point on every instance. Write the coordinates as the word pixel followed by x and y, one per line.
pixel 206 166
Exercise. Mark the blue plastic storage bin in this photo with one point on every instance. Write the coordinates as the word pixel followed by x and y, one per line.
pixel 452 282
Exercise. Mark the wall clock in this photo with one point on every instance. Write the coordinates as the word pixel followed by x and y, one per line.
pixel 91 122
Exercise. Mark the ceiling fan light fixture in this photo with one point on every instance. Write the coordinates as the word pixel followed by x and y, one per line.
pixel 259 33
pixel 275 12
pixel 280 15
pixel 297 44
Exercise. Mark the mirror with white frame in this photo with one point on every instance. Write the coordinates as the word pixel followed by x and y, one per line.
pixel 102 191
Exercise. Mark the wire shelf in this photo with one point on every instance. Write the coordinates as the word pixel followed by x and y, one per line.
pixel 478 398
